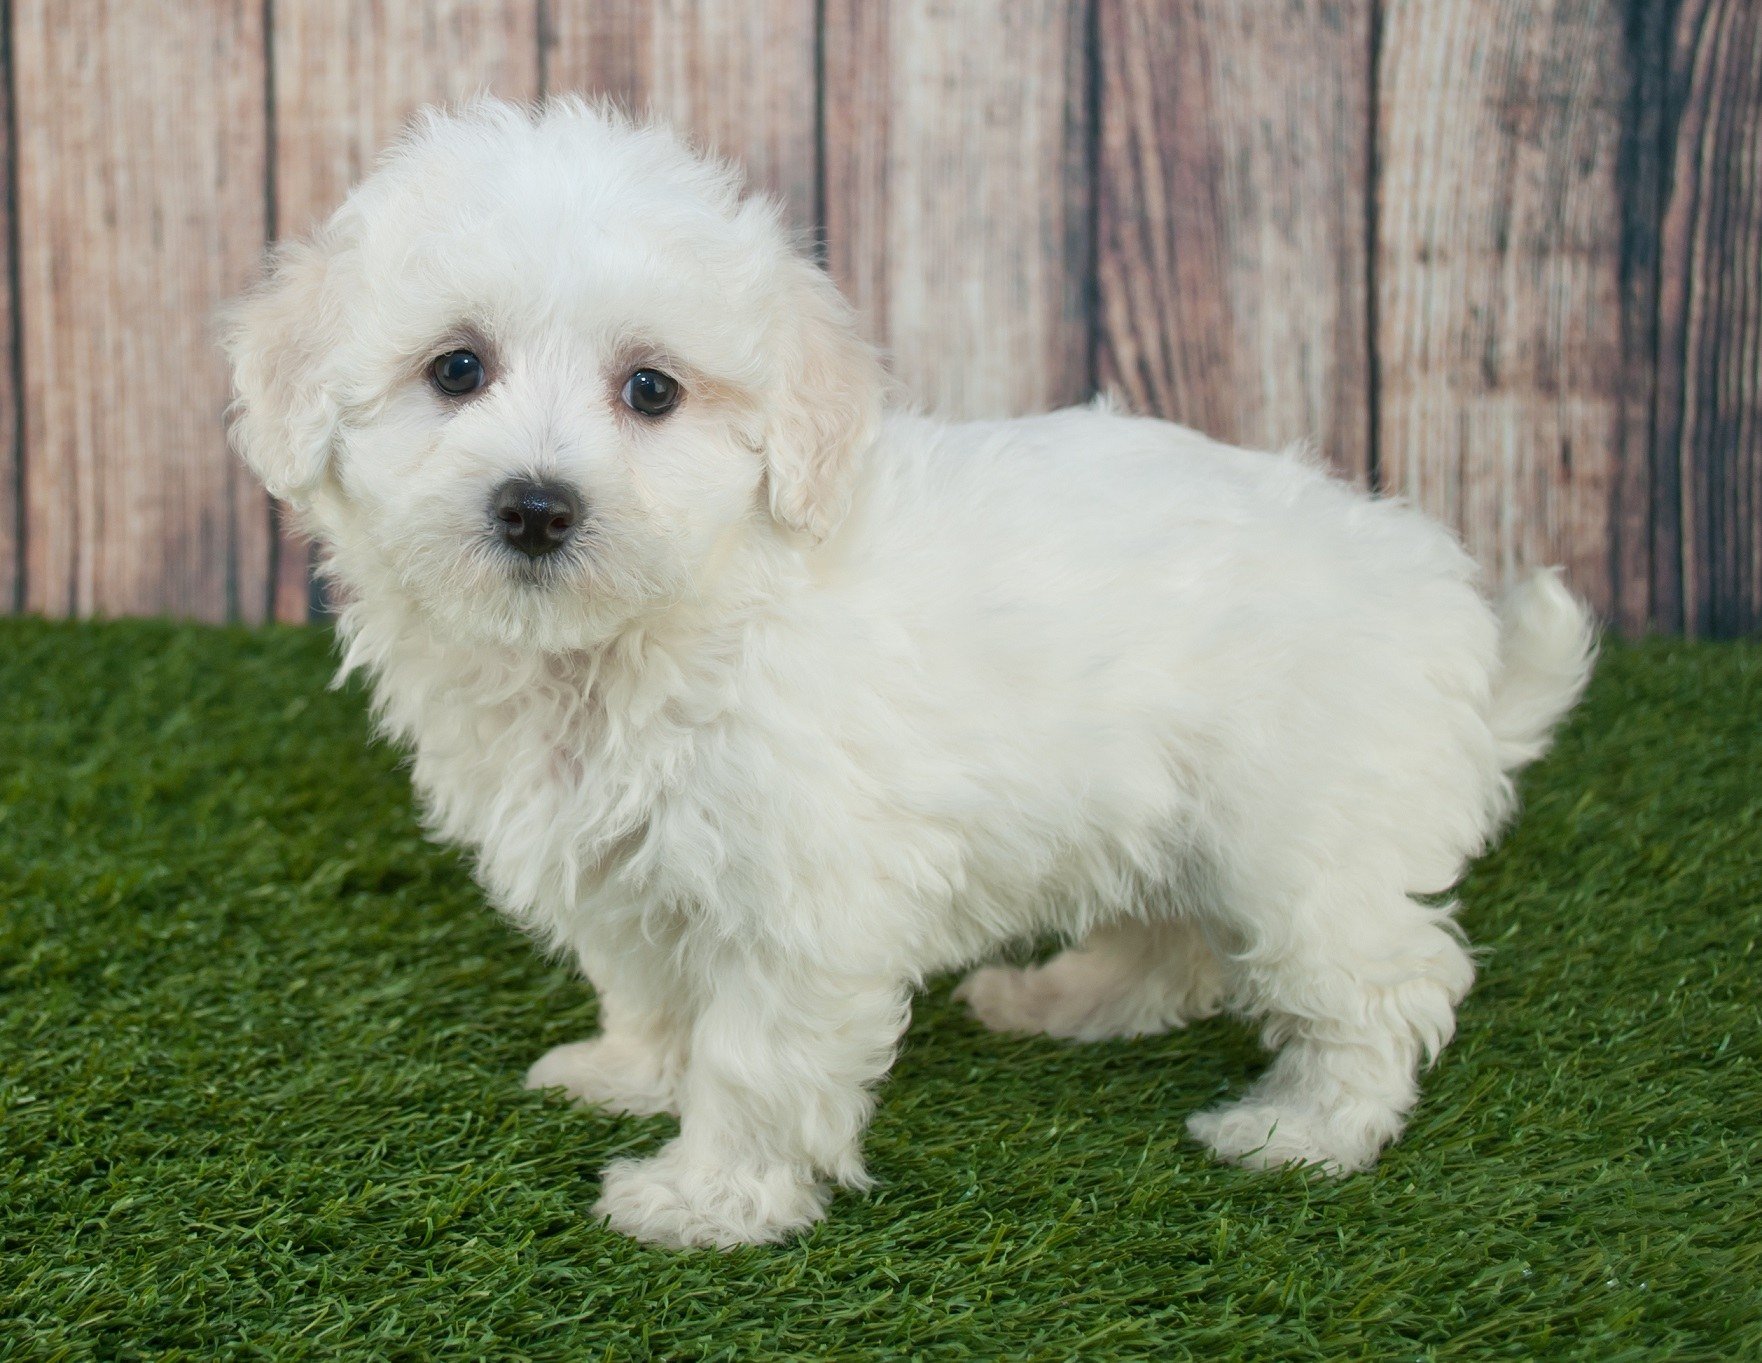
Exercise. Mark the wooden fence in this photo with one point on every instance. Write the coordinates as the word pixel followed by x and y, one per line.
pixel 1503 256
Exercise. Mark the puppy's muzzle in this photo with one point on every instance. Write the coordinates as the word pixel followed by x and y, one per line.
pixel 533 517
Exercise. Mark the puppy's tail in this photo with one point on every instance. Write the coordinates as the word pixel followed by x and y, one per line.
pixel 1547 645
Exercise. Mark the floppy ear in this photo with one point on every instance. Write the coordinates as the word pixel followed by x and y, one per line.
pixel 284 414
pixel 826 405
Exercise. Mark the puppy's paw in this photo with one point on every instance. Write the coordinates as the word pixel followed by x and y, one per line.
pixel 1260 1135
pixel 1004 999
pixel 610 1072
pixel 1069 997
pixel 676 1200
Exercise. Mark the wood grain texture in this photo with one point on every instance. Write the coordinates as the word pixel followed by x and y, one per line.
pixel 140 202
pixel 1637 490
pixel 1233 229
pixel 1499 275
pixel 737 76
pixel 11 471
pixel 1709 408
pixel 958 191
pixel 1508 252
pixel 348 76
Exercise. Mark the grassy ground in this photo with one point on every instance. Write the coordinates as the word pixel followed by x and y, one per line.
pixel 259 1098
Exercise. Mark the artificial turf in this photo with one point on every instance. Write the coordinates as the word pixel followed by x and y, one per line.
pixel 262 1043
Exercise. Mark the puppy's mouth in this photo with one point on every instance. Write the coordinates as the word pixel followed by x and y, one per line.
pixel 542 573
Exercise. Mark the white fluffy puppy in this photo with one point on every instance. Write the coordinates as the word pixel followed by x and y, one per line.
pixel 767 703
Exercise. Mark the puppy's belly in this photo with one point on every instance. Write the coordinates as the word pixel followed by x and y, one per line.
pixel 1015 888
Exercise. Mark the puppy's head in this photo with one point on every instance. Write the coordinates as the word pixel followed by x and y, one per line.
pixel 543 370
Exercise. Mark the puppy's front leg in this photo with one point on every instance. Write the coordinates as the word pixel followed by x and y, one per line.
pixel 773 1103
pixel 634 1064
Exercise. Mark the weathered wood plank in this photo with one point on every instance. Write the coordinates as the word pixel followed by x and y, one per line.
pixel 1709 414
pixel 1233 228
pixel 11 522
pixel 348 77
pixel 140 205
pixel 1499 275
pixel 957 194
pixel 1634 541
pixel 737 77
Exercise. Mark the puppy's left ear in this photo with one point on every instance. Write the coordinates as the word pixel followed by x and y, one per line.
pixel 825 407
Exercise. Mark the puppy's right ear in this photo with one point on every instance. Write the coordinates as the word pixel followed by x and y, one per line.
pixel 278 338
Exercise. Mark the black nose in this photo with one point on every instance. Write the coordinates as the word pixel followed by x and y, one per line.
pixel 535 518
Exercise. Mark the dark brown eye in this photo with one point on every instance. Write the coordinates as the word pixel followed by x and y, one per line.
pixel 651 392
pixel 457 373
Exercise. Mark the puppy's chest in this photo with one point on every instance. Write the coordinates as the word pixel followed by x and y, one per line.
pixel 543 786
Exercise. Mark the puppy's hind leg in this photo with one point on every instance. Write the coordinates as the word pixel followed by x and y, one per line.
pixel 1129 978
pixel 1355 994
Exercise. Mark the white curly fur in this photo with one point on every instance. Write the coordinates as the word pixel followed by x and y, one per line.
pixel 825 700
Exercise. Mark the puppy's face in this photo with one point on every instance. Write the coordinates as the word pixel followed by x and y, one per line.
pixel 541 375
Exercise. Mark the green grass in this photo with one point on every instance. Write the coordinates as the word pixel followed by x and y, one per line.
pixel 259 1083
